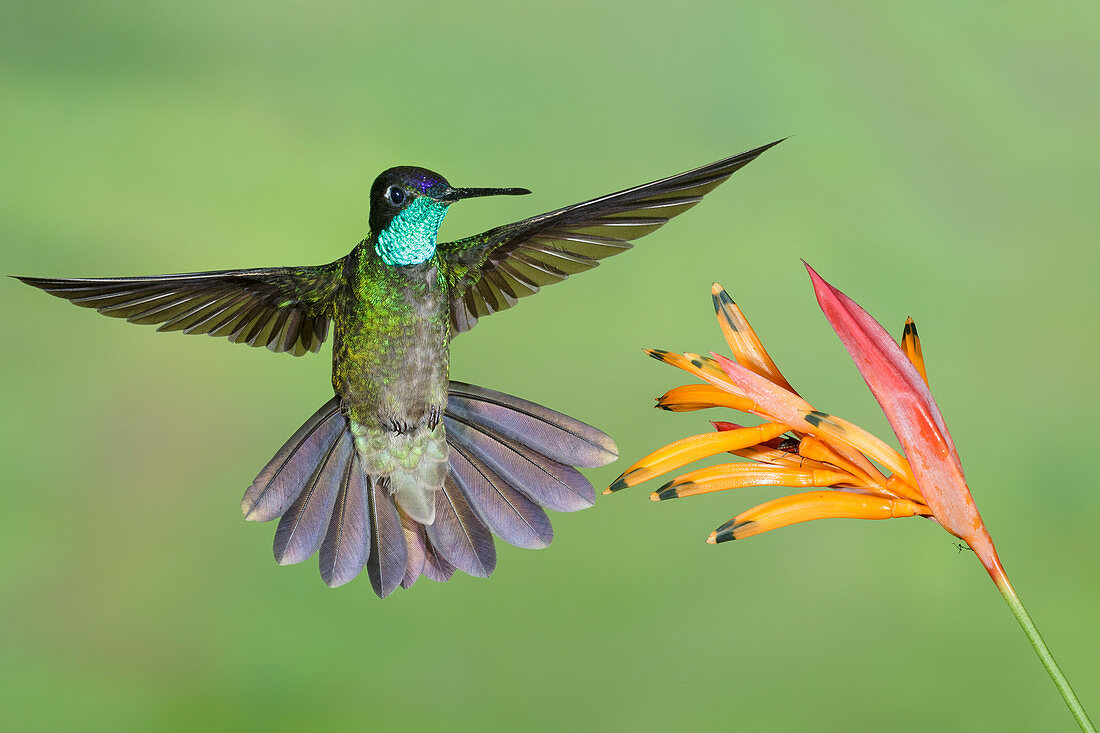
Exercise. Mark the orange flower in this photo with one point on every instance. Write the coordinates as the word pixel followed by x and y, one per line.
pixel 856 475
pixel 799 448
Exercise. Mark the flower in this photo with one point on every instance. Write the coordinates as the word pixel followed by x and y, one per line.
pixel 801 447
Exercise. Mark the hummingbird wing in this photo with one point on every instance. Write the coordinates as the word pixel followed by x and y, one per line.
pixel 492 270
pixel 282 308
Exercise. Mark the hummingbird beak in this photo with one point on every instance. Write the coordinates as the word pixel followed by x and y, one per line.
pixel 457 194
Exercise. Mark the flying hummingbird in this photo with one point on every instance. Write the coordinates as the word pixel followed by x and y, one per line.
pixel 403 471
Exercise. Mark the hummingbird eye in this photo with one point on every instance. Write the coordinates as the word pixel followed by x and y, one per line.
pixel 396 195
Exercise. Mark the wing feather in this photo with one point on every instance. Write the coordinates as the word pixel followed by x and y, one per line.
pixel 491 271
pixel 282 308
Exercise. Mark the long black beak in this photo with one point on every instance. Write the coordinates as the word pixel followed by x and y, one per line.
pixel 457 194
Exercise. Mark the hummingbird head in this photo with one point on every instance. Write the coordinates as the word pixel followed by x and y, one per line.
pixel 407 206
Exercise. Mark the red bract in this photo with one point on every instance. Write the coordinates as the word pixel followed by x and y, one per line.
pixel 914 416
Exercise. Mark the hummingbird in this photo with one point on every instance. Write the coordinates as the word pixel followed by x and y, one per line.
pixel 404 472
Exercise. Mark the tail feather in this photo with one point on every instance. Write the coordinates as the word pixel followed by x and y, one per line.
pixel 436 566
pixel 282 479
pixel 554 435
pixel 509 459
pixel 302 528
pixel 508 513
pixel 458 535
pixel 344 550
pixel 545 481
pixel 416 544
pixel 388 554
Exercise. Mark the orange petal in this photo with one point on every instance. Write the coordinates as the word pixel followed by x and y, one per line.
pixel 737 475
pixel 811 505
pixel 783 406
pixel 707 364
pixel 774 452
pixel 701 396
pixel 776 443
pixel 682 362
pixel 765 454
pixel 743 341
pixel 898 486
pixel 850 434
pixel 682 452
pixel 811 447
pixel 910 344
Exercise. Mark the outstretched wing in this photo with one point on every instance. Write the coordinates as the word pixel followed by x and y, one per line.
pixel 282 308
pixel 492 270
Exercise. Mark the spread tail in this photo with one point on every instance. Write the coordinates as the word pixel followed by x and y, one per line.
pixel 508 460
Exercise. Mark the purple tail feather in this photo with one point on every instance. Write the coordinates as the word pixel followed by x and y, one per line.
pixel 510 459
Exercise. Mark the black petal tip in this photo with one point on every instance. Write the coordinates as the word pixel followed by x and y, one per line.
pixel 729 533
pixel 666 492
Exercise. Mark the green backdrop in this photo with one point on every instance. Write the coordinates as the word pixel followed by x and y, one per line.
pixel 943 164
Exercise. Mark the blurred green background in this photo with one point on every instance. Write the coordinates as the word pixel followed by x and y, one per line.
pixel 943 164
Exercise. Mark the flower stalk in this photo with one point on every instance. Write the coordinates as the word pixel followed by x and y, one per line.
pixel 1042 650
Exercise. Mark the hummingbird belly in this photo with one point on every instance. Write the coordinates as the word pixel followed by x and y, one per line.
pixel 390 369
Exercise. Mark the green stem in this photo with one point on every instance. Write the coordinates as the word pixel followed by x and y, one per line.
pixel 1043 651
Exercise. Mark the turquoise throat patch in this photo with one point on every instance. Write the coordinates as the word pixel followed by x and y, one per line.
pixel 410 237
